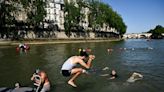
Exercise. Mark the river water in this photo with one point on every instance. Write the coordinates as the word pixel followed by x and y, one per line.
pixel 128 56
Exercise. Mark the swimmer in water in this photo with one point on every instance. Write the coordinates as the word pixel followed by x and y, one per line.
pixel 134 77
pixel 113 74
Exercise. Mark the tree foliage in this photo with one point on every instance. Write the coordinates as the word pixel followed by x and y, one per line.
pixel 6 17
pixel 100 14
pixel 10 10
pixel 157 32
pixel 103 13
pixel 73 15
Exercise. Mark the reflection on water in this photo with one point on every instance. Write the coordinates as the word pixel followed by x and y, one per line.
pixel 145 57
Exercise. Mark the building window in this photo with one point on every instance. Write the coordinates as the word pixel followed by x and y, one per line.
pixel 62 7
pixel 54 5
pixel 48 11
pixel 48 5
pixel 55 11
pixel 52 1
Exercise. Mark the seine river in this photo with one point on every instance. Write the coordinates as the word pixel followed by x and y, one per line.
pixel 126 57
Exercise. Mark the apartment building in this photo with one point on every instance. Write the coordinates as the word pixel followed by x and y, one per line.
pixel 55 13
pixel 84 22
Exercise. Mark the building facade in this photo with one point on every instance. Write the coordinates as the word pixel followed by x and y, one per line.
pixel 55 13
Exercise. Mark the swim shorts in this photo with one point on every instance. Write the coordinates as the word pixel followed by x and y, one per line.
pixel 66 73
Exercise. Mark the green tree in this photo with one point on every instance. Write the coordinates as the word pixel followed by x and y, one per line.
pixel 36 12
pixel 157 32
pixel 73 16
pixel 102 13
pixel 34 9
pixel 7 18
pixel 93 6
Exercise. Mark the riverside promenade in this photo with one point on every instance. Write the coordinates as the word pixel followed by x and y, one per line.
pixel 56 41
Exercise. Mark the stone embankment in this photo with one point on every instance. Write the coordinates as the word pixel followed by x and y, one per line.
pixel 60 37
pixel 55 41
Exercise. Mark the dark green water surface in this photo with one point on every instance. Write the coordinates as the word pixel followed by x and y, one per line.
pixel 145 57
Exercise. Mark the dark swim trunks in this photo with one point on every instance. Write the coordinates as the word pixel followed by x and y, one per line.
pixel 66 73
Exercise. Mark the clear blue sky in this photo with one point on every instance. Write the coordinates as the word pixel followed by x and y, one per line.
pixel 139 15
